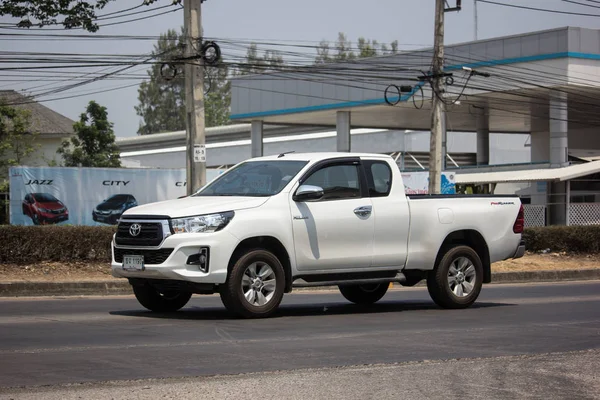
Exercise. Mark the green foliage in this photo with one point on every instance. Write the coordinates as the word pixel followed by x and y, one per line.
pixel 33 244
pixel 73 13
pixel 257 64
pixel 4 202
pixel 162 101
pixel 344 52
pixel 94 141
pixel 16 141
pixel 68 13
pixel 570 239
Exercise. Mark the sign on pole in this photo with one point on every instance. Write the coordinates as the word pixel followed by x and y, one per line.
pixel 199 153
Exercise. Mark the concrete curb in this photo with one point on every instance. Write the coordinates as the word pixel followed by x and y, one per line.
pixel 122 287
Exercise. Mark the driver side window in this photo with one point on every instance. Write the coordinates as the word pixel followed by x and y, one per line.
pixel 338 182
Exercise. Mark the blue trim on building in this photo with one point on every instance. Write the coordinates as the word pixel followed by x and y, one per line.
pixel 479 64
pixel 585 56
pixel 322 107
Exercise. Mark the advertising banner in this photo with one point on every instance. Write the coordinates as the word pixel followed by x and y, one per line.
pixel 418 182
pixel 89 196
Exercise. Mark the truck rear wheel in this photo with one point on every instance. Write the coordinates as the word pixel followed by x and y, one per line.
pixel 456 281
pixel 364 294
pixel 153 300
pixel 255 285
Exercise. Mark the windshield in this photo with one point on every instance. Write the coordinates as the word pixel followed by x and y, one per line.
pixel 254 178
pixel 44 198
pixel 118 198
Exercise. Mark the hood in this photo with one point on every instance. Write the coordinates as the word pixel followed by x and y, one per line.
pixel 189 206
pixel 51 205
pixel 110 205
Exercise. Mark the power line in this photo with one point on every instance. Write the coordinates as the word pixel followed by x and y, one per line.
pixel 122 11
pixel 538 9
pixel 12 27
pixel 581 4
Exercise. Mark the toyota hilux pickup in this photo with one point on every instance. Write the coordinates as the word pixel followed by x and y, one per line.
pixel 273 223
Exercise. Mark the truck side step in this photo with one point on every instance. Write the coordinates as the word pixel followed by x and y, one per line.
pixel 313 281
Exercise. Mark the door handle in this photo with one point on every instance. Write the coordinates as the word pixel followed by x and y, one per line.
pixel 363 211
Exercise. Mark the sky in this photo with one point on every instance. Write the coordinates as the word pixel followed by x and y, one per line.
pixel 408 21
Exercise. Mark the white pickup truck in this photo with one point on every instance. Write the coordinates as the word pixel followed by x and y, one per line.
pixel 273 223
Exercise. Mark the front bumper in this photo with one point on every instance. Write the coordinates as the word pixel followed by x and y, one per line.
pixel 520 252
pixel 53 218
pixel 105 218
pixel 221 246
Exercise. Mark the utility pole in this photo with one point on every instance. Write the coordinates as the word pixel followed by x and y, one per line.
pixel 438 112
pixel 194 97
pixel 475 17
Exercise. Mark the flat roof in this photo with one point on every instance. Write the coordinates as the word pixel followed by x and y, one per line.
pixel 532 175
pixel 519 65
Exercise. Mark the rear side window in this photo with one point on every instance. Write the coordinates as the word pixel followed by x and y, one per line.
pixel 379 176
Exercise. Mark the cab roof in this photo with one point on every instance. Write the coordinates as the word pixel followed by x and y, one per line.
pixel 318 156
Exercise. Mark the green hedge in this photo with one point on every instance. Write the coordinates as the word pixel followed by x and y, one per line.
pixel 31 244
pixel 571 239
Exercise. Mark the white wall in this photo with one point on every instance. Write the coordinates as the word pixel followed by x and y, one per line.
pixel 504 148
pixel 45 152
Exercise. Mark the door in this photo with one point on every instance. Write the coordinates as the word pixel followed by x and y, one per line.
pixel 336 231
pixel 391 213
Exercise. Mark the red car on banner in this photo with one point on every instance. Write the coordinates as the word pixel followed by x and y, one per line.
pixel 43 208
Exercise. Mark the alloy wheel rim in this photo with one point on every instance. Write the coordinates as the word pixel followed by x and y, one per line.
pixel 258 283
pixel 461 277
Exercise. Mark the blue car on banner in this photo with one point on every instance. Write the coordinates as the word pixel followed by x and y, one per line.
pixel 111 209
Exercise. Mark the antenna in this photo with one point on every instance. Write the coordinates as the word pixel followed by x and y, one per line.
pixel 283 154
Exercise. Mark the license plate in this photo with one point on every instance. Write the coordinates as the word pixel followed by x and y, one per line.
pixel 133 263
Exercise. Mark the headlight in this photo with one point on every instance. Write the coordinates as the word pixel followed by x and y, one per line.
pixel 201 223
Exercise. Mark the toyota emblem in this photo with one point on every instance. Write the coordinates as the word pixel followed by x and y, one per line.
pixel 135 229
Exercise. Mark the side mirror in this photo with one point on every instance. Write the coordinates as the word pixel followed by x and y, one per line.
pixel 308 193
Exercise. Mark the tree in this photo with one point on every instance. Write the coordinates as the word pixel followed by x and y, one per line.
pixel 73 13
pixel 16 143
pixel 93 142
pixel 255 64
pixel 343 49
pixel 16 139
pixel 162 101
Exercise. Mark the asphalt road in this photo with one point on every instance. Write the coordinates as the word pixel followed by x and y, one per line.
pixel 54 341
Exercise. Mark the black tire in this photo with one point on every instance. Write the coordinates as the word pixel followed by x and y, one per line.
pixel 364 294
pixel 239 274
pixel 35 219
pixel 160 302
pixel 440 284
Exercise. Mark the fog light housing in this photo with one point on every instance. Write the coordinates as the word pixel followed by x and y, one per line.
pixel 200 259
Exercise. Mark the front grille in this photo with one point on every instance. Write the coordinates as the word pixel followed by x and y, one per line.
pixel 150 256
pixel 151 234
pixel 59 211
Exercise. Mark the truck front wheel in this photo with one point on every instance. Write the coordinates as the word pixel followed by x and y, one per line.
pixel 456 281
pixel 255 285
pixel 153 300
pixel 364 294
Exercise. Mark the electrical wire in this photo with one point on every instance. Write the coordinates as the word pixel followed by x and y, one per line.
pixel 581 4
pixel 12 27
pixel 351 74
pixel 538 9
